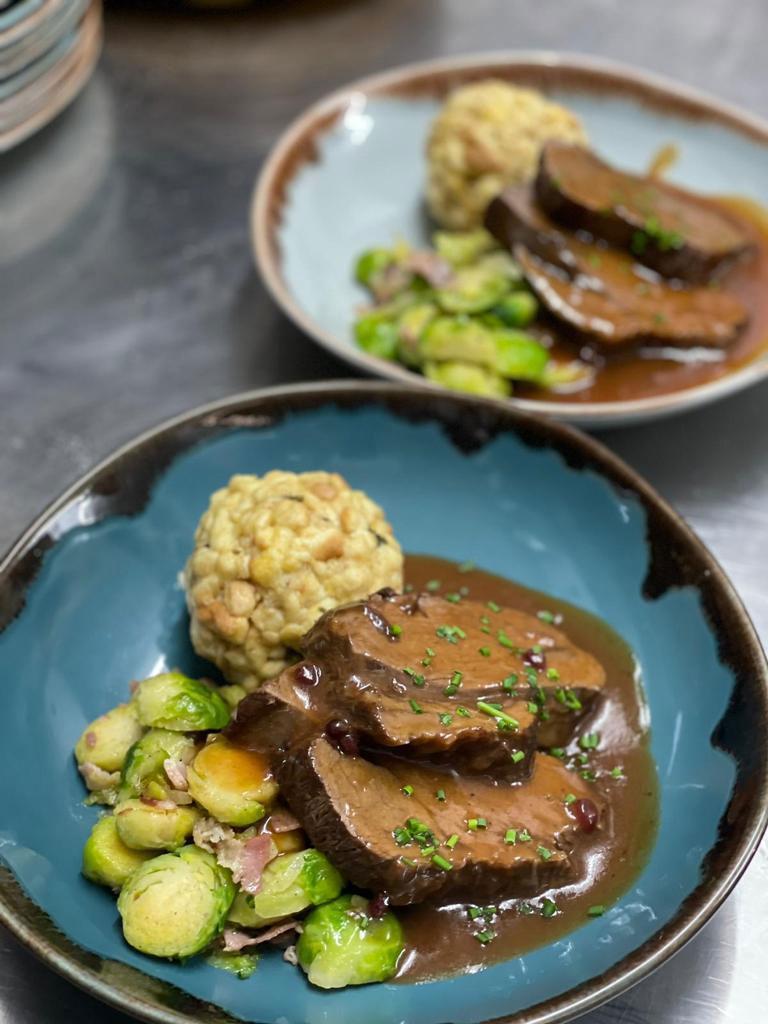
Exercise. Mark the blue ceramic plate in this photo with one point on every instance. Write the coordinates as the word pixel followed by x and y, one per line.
pixel 89 599
pixel 349 174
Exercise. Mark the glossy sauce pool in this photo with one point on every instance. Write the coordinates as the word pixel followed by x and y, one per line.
pixel 441 939
pixel 624 376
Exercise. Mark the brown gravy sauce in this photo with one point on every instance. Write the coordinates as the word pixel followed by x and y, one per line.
pixel 634 374
pixel 440 939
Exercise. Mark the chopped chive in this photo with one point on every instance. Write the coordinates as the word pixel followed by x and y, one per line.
pixel 553 674
pixel 440 794
pixel 569 799
pixel 597 911
pixel 589 741
pixel 485 936
pixel 548 907
pixel 402 836
pixel 409 861
pixel 418 679
pixel 485 651
pixel 486 630
pixel 582 758
pixel 426 662
pixel 445 718
pixel 525 907
pixel 464 591
pixel 588 775
pixel 440 862
pixel 504 640
pixel 416 708
pixel 500 716
pixel 557 752
pixel 396 630
pixel 493 606
pixel 510 682
pixel 451 841
pixel 517 756
pixel 463 712
pixel 537 648
pixel 533 708
pixel 473 824
pixel 543 852
pixel 485 620
pixel 426 851
pixel 524 835
pixel 453 598
pixel 433 585
pixel 466 567
pixel 617 772
pixel 475 912
pixel 570 700
pixel 510 836
pixel 407 790
pixel 546 616
pixel 494 705
pixel 450 633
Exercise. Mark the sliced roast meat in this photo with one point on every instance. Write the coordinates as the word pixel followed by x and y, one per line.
pixel 389 826
pixel 599 293
pixel 667 228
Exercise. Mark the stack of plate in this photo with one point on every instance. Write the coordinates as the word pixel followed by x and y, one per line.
pixel 48 49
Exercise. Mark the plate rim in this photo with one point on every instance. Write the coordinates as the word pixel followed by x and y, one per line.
pixel 592 414
pixel 244 408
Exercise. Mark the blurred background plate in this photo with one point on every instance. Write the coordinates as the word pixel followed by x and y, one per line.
pixel 62 20
pixel 349 174
pixel 35 95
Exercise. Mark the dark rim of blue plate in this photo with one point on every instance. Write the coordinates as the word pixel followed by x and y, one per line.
pixel 121 485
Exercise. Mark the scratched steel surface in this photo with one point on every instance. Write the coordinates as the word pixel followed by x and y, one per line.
pixel 127 294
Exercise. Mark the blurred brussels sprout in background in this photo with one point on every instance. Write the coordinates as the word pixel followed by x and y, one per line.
pixel 106 858
pixel 174 701
pixel 176 904
pixel 106 741
pixel 290 883
pixel 341 945
pixel 232 784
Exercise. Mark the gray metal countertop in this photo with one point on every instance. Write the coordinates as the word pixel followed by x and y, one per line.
pixel 127 295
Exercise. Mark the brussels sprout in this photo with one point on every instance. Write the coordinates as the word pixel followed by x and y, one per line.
pixel 107 739
pixel 232 694
pixel 174 701
pixel 410 327
pixel 452 337
pixel 377 336
pixel 242 965
pixel 519 356
pixel 500 262
pixel 474 380
pixel 372 262
pixel 143 765
pixel 340 945
pixel 567 376
pixel 232 784
pixel 518 309
pixel 462 247
pixel 289 883
pixel 147 826
pixel 175 904
pixel 473 290
pixel 106 858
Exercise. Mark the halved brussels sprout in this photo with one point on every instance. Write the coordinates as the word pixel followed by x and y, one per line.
pixel 341 945
pixel 410 327
pixel 372 262
pixel 107 740
pixel 289 883
pixel 143 765
pixel 146 826
pixel 518 309
pixel 176 904
pixel 232 784
pixel 458 338
pixel 242 965
pixel 473 290
pixel 377 336
pixel 174 701
pixel 106 858
pixel 462 247
pixel 519 356
pixel 474 380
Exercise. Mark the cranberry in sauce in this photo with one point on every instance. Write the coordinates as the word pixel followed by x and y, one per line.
pixel 378 905
pixel 535 659
pixel 585 813
pixel 341 734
